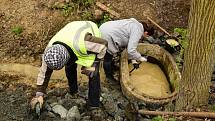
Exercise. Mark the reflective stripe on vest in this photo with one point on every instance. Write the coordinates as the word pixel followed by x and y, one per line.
pixel 77 37
pixel 73 35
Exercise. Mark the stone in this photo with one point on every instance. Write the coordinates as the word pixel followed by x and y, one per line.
pixel 69 103
pixel 69 96
pixel 52 99
pixel 109 104
pixel 47 106
pixel 51 115
pixel 1 87
pixel 118 118
pixel 86 118
pixel 73 114
pixel 58 92
pixel 59 109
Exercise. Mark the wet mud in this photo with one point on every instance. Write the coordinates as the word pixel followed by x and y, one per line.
pixel 149 79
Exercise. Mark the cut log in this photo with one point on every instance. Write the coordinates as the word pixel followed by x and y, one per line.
pixel 185 114
pixel 161 28
pixel 105 8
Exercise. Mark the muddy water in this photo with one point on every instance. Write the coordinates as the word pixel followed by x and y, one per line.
pixel 149 79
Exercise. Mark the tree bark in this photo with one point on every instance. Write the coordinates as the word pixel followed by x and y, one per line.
pixel 185 114
pixel 199 55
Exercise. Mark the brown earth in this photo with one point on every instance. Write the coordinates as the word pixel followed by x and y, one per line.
pixel 41 19
pixel 167 13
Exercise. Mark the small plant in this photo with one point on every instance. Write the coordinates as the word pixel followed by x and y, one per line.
pixel 17 30
pixel 106 17
pixel 84 3
pixel 212 108
pixel 157 118
pixel 183 40
pixel 172 119
pixel 67 9
pixel 88 2
pixel 87 15
pixel 75 6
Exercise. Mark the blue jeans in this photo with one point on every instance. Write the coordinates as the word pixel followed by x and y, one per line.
pixel 94 83
pixel 108 62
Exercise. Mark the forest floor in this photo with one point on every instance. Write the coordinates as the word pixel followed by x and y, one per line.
pixel 28 25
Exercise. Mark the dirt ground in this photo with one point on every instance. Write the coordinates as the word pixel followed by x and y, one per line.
pixel 167 13
pixel 39 21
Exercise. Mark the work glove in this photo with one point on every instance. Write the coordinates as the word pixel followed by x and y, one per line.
pixel 135 64
pixel 37 99
pixel 142 59
pixel 89 71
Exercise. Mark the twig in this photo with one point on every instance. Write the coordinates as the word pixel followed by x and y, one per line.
pixel 105 8
pixel 186 114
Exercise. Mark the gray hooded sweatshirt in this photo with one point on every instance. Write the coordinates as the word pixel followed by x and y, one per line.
pixel 121 34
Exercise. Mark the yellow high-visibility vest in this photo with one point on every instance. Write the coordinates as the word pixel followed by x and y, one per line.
pixel 73 35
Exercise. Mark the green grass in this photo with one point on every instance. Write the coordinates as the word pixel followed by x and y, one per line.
pixel 172 119
pixel 157 118
pixel 17 30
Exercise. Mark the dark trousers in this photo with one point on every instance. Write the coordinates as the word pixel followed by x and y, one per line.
pixel 94 83
pixel 107 64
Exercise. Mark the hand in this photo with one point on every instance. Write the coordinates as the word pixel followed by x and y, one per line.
pixel 87 71
pixel 142 59
pixel 36 100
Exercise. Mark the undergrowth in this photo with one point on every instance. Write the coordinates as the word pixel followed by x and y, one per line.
pixel 183 40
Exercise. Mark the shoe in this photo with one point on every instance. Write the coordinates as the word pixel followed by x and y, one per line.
pixel 96 114
pixel 111 80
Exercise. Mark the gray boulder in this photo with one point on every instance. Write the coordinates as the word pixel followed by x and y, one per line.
pixel 73 114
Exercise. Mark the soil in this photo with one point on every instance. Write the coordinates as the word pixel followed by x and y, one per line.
pixel 169 14
pixel 14 95
pixel 39 20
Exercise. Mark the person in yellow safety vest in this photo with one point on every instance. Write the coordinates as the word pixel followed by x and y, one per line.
pixel 78 42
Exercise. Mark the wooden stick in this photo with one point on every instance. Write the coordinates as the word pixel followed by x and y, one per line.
pixel 105 8
pixel 186 114
pixel 162 29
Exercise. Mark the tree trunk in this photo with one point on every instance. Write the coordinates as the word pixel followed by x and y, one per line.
pixel 198 65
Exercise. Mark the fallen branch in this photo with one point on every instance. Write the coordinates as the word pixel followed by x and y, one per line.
pixel 186 114
pixel 105 8
pixel 162 29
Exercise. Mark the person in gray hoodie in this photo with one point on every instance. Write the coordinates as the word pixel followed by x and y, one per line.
pixel 121 34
